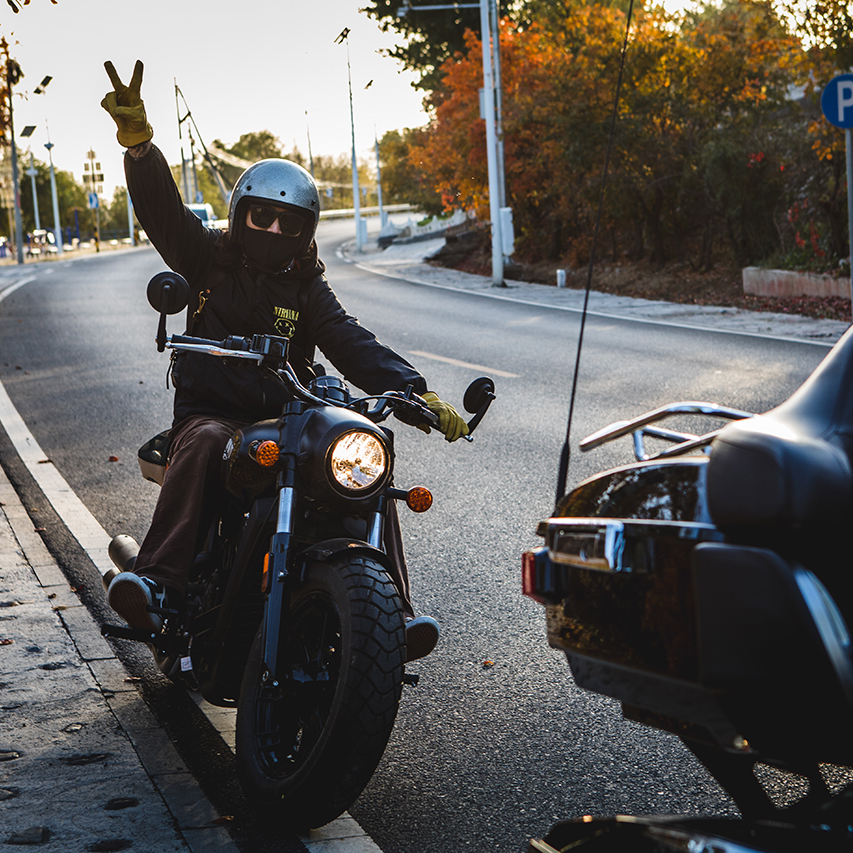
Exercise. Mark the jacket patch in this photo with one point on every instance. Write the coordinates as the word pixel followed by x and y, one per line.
pixel 285 321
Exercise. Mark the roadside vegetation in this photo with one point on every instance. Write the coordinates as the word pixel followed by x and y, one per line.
pixel 721 157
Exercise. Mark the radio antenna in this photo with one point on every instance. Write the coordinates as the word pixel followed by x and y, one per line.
pixel 565 453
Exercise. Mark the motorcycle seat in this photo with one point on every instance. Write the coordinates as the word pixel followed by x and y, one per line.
pixel 792 465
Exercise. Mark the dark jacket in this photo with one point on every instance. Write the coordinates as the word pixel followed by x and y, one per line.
pixel 229 298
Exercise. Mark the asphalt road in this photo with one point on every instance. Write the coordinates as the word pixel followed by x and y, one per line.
pixel 496 742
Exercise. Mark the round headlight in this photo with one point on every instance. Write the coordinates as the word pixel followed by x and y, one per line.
pixel 358 460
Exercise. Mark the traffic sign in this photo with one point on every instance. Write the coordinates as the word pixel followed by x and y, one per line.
pixel 837 101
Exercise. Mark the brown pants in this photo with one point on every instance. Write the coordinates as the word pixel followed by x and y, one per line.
pixel 193 493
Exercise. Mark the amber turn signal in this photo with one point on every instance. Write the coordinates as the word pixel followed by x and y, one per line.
pixel 266 454
pixel 265 576
pixel 419 499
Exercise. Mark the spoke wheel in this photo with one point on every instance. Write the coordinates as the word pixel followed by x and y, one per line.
pixel 310 745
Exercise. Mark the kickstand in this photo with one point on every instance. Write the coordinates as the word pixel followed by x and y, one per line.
pixel 411 679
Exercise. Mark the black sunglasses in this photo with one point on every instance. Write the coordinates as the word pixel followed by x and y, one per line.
pixel 263 216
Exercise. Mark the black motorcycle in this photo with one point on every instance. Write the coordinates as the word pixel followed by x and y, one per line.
pixel 707 587
pixel 291 615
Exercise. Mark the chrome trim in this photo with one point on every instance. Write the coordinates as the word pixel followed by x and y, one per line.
pixel 286 499
pixel 830 626
pixel 209 349
pixel 600 544
pixel 621 428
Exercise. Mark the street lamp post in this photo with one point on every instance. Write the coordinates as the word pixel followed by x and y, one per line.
pixel 13 76
pixel 383 216
pixel 57 227
pixel 32 172
pixel 356 199
pixel 494 145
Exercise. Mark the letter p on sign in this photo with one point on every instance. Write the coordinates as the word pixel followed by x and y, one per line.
pixel 837 101
pixel 845 97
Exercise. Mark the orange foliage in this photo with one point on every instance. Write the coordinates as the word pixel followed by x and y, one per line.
pixel 681 83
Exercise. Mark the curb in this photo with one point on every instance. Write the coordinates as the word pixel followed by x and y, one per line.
pixel 82 760
pixel 408 263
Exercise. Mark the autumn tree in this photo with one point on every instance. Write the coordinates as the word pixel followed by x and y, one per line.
pixel 405 181
pixel 697 156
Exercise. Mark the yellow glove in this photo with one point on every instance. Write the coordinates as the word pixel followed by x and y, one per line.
pixel 126 107
pixel 450 422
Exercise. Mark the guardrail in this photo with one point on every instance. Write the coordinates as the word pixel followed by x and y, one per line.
pixel 348 213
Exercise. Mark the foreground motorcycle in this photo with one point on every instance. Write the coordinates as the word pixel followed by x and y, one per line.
pixel 707 588
pixel 291 615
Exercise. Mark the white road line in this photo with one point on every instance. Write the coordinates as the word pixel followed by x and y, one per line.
pixel 343 835
pixel 83 526
pixel 457 363
pixel 13 287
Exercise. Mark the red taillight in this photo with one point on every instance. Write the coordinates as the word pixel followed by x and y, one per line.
pixel 528 576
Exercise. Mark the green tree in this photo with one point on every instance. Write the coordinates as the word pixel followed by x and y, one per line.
pixel 405 181
pixel 69 194
pixel 257 145
pixel 429 38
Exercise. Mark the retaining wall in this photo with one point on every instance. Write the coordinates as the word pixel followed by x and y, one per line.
pixel 762 282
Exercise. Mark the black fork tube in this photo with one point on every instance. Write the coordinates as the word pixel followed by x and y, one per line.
pixel 279 575
pixel 376 525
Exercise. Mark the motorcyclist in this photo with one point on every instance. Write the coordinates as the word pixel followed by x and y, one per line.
pixel 261 276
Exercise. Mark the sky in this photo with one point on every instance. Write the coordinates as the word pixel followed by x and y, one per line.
pixel 242 66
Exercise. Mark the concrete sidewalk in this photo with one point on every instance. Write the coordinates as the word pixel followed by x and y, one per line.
pixel 84 766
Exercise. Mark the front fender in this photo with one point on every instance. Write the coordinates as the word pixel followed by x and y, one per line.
pixel 330 549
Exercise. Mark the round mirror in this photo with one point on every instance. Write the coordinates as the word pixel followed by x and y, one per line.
pixel 479 392
pixel 168 292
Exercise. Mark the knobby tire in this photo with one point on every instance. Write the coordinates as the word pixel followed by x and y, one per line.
pixel 308 749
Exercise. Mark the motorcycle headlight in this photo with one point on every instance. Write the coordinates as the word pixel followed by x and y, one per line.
pixel 358 460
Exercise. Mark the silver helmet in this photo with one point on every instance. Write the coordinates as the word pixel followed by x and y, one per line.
pixel 280 182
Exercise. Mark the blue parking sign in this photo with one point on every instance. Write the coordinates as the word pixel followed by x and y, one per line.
pixel 837 101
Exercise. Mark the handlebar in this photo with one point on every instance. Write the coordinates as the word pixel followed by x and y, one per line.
pixel 271 352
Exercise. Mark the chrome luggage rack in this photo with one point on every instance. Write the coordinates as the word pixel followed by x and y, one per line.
pixel 684 442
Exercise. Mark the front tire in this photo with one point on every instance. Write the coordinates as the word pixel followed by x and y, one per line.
pixel 310 746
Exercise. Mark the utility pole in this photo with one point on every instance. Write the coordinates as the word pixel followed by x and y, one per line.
pixel 489 22
pixel 491 148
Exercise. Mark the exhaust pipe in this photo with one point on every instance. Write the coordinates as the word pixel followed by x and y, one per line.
pixel 122 550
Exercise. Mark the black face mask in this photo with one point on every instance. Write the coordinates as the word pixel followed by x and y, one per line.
pixel 269 252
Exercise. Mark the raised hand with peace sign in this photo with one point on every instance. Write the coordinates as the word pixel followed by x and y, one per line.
pixel 125 105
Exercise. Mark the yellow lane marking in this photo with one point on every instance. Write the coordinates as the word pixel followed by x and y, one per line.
pixel 455 362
